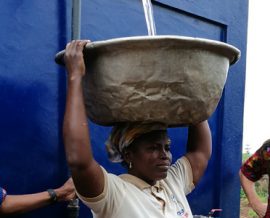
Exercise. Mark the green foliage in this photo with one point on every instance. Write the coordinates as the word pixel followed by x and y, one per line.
pixel 242 194
pixel 252 214
pixel 261 188
pixel 245 156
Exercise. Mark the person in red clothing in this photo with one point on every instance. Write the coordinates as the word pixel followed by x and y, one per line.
pixel 253 170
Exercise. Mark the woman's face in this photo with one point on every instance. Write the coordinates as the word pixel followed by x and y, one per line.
pixel 150 156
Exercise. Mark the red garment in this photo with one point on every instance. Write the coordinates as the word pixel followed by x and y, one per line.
pixel 257 166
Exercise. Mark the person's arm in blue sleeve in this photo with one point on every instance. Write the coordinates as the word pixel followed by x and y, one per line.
pixel 17 204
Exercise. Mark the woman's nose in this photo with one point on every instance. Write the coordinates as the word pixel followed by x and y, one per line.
pixel 164 154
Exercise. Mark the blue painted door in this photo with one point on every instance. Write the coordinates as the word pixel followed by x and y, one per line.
pixel 32 91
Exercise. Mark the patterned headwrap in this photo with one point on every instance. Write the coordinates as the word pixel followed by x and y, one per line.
pixel 123 135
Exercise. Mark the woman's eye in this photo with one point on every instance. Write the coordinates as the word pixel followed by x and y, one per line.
pixel 167 147
pixel 152 148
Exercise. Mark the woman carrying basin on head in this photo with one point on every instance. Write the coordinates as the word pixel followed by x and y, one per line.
pixel 152 186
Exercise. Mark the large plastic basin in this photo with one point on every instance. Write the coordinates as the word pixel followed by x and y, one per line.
pixel 170 79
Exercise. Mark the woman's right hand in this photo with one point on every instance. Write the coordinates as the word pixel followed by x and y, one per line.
pixel 73 57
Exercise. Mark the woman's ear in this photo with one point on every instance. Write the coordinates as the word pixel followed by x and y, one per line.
pixel 127 155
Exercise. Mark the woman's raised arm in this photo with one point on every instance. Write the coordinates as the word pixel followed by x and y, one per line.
pixel 86 172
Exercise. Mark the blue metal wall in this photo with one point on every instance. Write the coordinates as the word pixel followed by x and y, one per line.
pixel 32 91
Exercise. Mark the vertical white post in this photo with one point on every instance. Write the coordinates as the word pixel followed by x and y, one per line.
pixel 76 19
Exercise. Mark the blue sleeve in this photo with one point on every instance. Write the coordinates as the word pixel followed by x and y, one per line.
pixel 3 194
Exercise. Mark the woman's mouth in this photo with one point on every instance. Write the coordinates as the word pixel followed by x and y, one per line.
pixel 163 166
